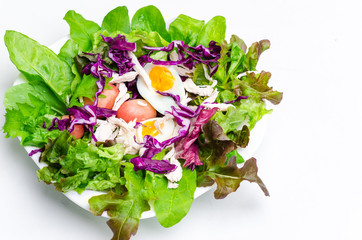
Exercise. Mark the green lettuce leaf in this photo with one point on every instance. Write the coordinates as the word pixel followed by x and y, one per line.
pixel 124 209
pixel 81 30
pixel 39 64
pixel 186 29
pixel 249 112
pixel 68 51
pixel 172 204
pixel 150 19
pixel 213 30
pixel 256 86
pixel 27 107
pixel 77 165
pixel 117 20
pixel 86 88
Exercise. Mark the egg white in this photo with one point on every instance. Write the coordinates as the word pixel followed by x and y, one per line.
pixel 159 102
pixel 166 128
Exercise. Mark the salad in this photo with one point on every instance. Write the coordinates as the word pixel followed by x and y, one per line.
pixel 141 113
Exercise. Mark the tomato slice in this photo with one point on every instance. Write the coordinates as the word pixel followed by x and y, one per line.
pixel 138 109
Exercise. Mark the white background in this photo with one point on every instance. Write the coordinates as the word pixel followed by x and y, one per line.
pixel 310 158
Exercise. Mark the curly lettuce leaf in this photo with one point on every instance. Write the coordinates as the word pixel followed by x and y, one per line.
pixel 229 177
pixel 77 165
pixel 247 113
pixel 219 167
pixel 124 209
pixel 117 20
pixel 256 86
pixel 27 107
pixel 39 64
pixel 253 55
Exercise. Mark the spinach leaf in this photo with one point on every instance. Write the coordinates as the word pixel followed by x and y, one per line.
pixel 117 20
pixel 86 88
pixel 69 50
pixel 214 29
pixel 150 19
pixel 172 204
pixel 39 64
pixel 81 30
pixel 186 29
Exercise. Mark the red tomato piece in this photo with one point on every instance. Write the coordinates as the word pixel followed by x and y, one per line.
pixel 78 130
pixel 138 109
pixel 108 101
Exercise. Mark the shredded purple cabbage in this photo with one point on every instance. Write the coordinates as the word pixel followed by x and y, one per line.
pixel 187 56
pixel 35 151
pixel 118 52
pixel 237 99
pixel 156 166
pixel 57 123
pixel 104 112
pixel 132 87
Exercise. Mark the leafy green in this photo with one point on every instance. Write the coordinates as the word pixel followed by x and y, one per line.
pixel 220 169
pixel 237 56
pixel 27 107
pixel 124 209
pixel 77 165
pixel 253 54
pixel 256 86
pixel 86 88
pixel 150 19
pixel 117 20
pixel 213 30
pixel 172 204
pixel 143 38
pixel 247 113
pixel 68 51
pixel 225 96
pixel 81 30
pixel 39 64
pixel 186 29
pixel 239 158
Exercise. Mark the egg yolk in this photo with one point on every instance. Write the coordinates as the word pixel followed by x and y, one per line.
pixel 161 78
pixel 149 128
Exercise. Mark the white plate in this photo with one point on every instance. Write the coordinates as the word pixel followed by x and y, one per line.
pixel 81 200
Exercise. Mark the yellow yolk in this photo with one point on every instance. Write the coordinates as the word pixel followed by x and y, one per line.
pixel 161 78
pixel 149 128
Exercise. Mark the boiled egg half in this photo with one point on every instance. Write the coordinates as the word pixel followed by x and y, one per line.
pixel 163 79
pixel 160 128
